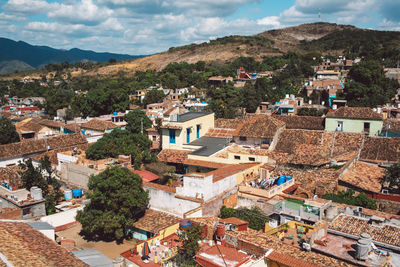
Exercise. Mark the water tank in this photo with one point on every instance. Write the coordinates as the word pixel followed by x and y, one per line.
pixel 115 113
pixel 334 107
pixel 183 224
pixel 76 192
pixel 68 194
pixel 281 180
pixel 36 193
pixel 363 249
pixel 288 178
pixel 331 212
pixel 221 230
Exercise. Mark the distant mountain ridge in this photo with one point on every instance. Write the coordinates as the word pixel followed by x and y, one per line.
pixel 23 56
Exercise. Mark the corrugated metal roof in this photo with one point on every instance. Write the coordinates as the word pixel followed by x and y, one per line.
pixel 93 258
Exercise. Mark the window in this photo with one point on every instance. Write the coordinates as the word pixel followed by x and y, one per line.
pixel 242 138
pixel 198 131
pixel 172 136
pixel 252 159
pixel 265 141
pixel 366 127
pixel 188 135
pixel 339 126
pixel 26 211
pixel 154 138
pixel 237 157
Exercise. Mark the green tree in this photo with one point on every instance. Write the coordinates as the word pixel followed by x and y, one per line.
pixel 8 133
pixel 190 244
pixel 137 121
pixel 117 200
pixel 368 86
pixel 392 176
pixel 347 197
pixel 42 177
pixel 122 142
pixel 153 96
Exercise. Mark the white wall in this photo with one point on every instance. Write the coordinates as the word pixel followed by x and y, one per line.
pixel 167 202
pixel 61 218
pixel 199 187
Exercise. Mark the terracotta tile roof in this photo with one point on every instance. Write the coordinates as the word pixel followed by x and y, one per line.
pixel 220 133
pixel 173 155
pixel 391 125
pixel 31 125
pixel 288 260
pixel 302 122
pixel 310 179
pixel 53 153
pixel 211 256
pixel 75 127
pixel 37 146
pixel 154 221
pixel 49 123
pixel 98 125
pixel 234 220
pixel 266 242
pixel 227 123
pixel 11 176
pixel 364 176
pixel 226 171
pixel 260 126
pixel 381 149
pixel 387 234
pixel 146 175
pixel 307 147
pixel 22 245
pixel 355 113
pixel 169 111
pixel 206 164
pixel 166 188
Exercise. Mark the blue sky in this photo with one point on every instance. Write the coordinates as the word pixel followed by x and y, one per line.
pixel 149 26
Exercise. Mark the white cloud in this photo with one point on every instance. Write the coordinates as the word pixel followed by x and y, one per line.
pixel 272 21
pixel 82 12
pixel 28 7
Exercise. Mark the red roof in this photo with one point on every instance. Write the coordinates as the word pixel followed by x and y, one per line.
pixel 146 175
pixel 211 256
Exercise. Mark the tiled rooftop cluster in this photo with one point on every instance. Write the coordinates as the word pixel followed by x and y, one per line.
pixel 302 122
pixel 173 155
pixel 22 245
pixel 41 145
pixel 364 176
pixel 355 113
pixel 98 125
pixel 387 234
pixel 378 149
pixel 260 126
pixel 291 254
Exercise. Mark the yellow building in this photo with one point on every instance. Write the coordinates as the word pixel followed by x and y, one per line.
pixel 186 128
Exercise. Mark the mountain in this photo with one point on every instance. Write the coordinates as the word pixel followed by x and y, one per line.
pixel 321 37
pixel 13 65
pixel 36 56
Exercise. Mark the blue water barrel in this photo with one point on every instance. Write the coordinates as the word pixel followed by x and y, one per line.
pixel 288 178
pixel 76 192
pixel 68 194
pixel 281 180
pixel 183 224
pixel 115 113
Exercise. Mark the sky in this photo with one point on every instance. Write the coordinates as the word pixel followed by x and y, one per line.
pixel 141 27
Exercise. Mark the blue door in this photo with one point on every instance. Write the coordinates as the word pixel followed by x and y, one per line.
pixel 188 135
pixel 171 136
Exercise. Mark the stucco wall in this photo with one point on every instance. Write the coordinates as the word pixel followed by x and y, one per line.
pixel 76 174
pixel 199 187
pixel 206 123
pixel 353 126
pixel 167 202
